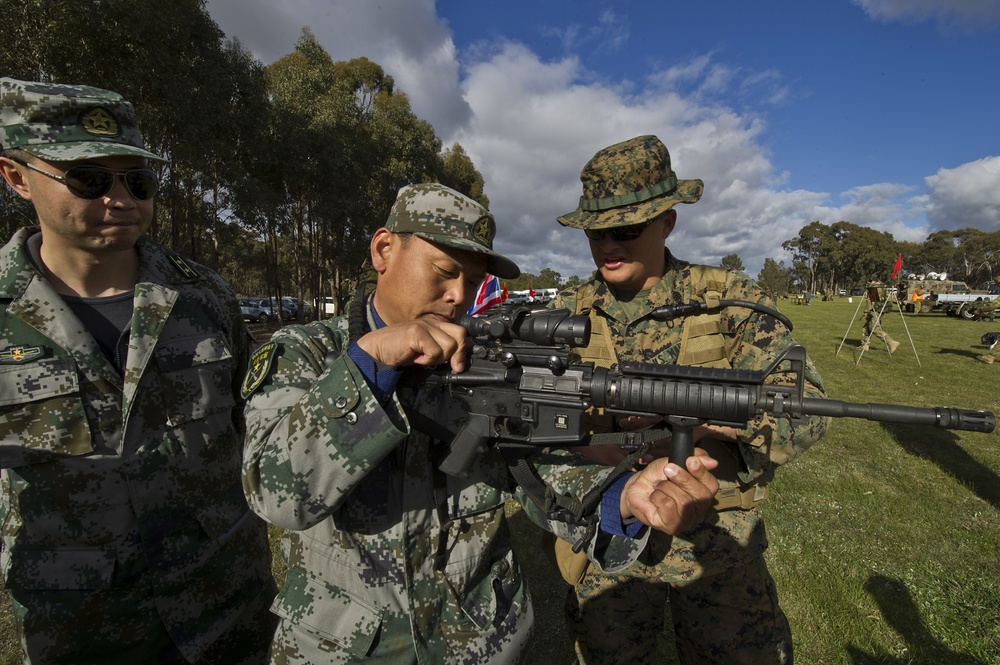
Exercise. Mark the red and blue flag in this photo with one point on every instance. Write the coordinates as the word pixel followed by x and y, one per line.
pixel 489 295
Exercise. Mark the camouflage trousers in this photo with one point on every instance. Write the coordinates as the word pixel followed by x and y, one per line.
pixel 730 616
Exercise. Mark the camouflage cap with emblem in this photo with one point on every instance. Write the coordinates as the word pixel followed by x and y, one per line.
pixel 629 183
pixel 442 215
pixel 67 122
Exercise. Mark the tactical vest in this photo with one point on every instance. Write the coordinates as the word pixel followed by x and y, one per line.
pixel 702 344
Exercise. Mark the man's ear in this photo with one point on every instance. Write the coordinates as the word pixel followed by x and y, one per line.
pixel 382 249
pixel 15 178
pixel 669 220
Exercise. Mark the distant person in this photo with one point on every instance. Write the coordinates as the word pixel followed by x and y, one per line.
pixel 873 319
pixel 390 560
pixel 126 536
pixel 713 577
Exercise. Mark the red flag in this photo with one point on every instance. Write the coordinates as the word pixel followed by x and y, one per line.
pixel 531 294
pixel 899 264
pixel 504 294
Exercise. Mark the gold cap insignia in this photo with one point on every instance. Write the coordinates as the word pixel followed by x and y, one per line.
pixel 484 229
pixel 100 122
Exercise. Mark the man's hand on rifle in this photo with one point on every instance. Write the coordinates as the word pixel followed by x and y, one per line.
pixel 668 497
pixel 426 341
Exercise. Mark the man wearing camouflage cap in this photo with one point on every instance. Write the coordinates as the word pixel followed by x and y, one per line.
pixel 126 537
pixel 389 559
pixel 713 576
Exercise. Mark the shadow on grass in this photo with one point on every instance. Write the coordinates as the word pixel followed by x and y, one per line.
pixel 901 613
pixel 968 353
pixel 941 447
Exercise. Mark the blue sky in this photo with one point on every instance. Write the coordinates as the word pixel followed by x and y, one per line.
pixel 884 113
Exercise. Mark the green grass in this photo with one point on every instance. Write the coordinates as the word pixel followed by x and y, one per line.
pixel 884 538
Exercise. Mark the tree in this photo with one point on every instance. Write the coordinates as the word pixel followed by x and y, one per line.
pixel 775 278
pixel 810 252
pixel 459 173
pixel 732 262
pixel 866 253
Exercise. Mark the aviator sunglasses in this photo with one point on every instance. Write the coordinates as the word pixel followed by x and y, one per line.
pixel 619 233
pixel 94 182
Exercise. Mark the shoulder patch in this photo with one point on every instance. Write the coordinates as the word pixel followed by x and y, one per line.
pixel 183 266
pixel 260 365
pixel 18 355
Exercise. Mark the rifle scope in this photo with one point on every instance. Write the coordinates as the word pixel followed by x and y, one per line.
pixel 542 327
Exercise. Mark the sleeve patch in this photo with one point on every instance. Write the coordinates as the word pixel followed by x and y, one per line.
pixel 260 365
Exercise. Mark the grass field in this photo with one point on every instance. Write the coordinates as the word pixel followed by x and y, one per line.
pixel 885 539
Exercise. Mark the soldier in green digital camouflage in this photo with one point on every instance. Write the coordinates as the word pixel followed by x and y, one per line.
pixel 713 577
pixel 126 536
pixel 389 559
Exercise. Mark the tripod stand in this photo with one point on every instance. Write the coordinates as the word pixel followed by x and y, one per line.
pixel 876 304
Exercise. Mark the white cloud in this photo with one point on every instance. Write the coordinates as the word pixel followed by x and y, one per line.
pixel 966 196
pixel 530 126
pixel 535 124
pixel 978 14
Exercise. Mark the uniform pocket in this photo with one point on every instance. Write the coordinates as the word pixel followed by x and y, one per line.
pixel 196 377
pixel 488 602
pixel 340 620
pixel 41 412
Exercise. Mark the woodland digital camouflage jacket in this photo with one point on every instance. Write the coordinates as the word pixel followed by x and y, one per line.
pixel 382 545
pixel 750 340
pixel 122 484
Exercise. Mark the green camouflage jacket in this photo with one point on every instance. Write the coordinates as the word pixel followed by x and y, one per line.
pixel 127 487
pixel 750 340
pixel 382 547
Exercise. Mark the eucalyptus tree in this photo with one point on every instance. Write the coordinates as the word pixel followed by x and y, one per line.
pixel 810 253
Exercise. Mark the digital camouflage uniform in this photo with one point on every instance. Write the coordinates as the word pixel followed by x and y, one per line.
pixel 121 498
pixel 126 536
pixel 713 578
pixel 389 559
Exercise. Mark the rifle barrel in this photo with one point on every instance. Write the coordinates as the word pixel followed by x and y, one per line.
pixel 937 416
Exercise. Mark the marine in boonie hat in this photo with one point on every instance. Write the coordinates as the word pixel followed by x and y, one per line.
pixel 629 183
pixel 442 215
pixel 67 122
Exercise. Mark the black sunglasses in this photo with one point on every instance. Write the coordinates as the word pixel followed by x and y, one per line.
pixel 93 182
pixel 620 233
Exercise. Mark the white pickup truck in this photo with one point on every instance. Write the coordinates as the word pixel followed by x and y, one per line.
pixel 961 304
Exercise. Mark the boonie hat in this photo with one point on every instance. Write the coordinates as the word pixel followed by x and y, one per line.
pixel 67 122
pixel 442 215
pixel 628 183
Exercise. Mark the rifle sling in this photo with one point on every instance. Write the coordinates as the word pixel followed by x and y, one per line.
pixel 562 507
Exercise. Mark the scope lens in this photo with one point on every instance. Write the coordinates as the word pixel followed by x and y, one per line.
pixel 547 327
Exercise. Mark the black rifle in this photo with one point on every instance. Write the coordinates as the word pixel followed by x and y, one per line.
pixel 524 390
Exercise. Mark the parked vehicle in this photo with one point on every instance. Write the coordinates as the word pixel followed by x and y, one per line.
pixel 961 304
pixel 254 312
pixel 292 304
pixel 941 295
pixel 273 308
pixel 545 295
pixel 329 306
